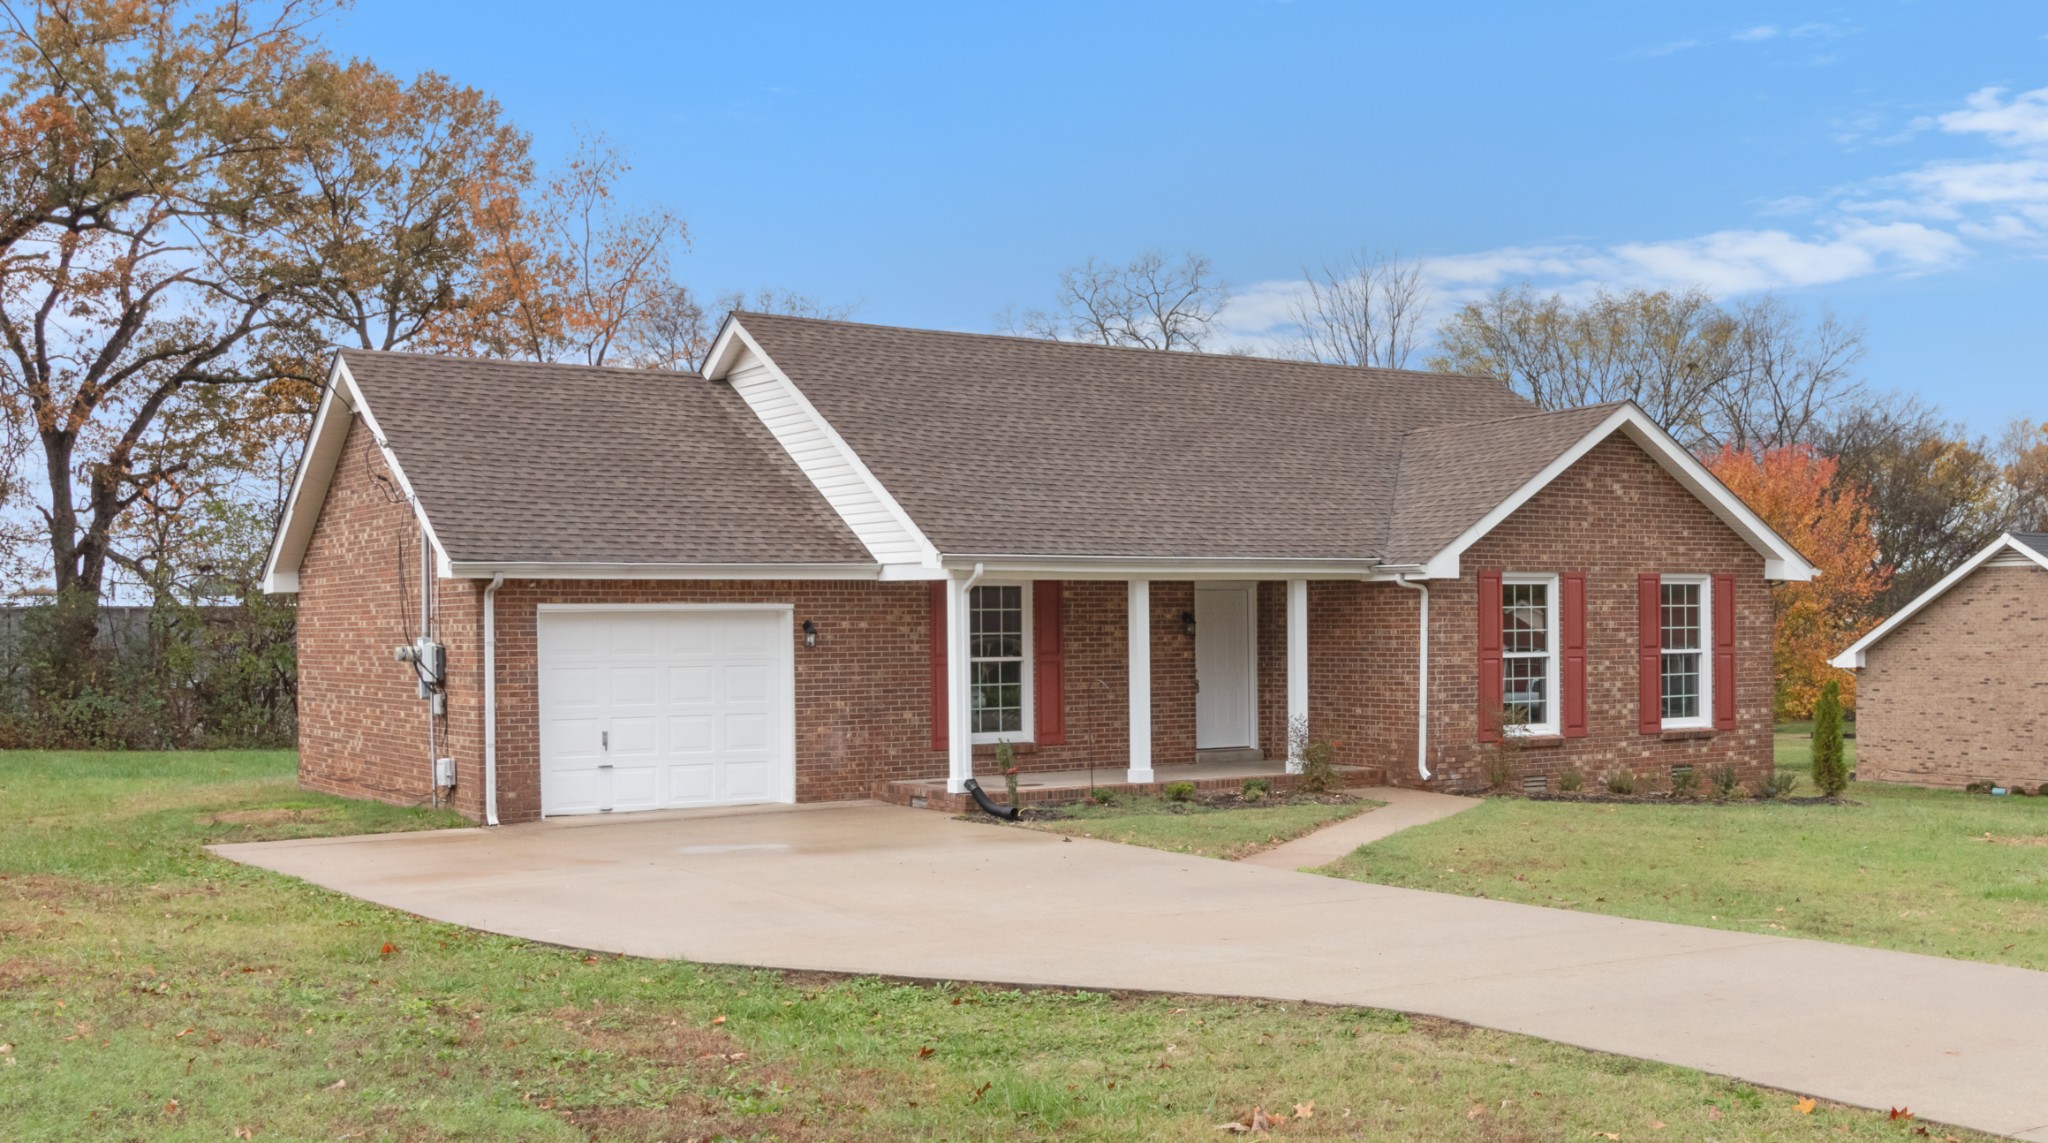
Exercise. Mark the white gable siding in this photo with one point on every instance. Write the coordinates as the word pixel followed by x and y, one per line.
pixel 823 458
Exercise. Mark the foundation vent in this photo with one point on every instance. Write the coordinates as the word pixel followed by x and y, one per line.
pixel 1535 784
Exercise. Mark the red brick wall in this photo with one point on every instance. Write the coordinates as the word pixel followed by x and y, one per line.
pixel 1612 515
pixel 363 730
pixel 1959 693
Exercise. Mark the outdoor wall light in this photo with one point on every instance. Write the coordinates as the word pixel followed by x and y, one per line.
pixel 810 633
pixel 1187 623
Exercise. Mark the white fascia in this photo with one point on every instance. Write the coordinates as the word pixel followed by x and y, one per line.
pixel 1853 658
pixel 1156 567
pixel 1782 562
pixel 482 569
pixel 316 472
pixel 725 350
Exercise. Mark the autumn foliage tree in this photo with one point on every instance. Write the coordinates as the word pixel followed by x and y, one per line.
pixel 1795 490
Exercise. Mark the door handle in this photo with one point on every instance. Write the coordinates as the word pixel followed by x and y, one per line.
pixel 604 765
pixel 604 739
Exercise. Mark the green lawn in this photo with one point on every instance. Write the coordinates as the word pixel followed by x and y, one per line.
pixel 1184 827
pixel 1927 871
pixel 151 992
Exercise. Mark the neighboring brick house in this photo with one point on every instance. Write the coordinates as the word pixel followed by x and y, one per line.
pixel 850 555
pixel 1953 689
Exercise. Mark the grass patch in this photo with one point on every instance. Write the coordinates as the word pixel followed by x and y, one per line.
pixel 1205 831
pixel 150 991
pixel 1926 871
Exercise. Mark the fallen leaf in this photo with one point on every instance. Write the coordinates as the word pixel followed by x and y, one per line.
pixel 337 1085
pixel 1900 1113
pixel 979 1092
pixel 388 949
pixel 172 1108
pixel 717 1020
pixel 1305 1110
pixel 1713 1112
pixel 925 1052
pixel 184 1033
pixel 245 1133
pixel 1804 1106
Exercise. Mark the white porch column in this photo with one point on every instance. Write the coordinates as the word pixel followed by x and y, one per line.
pixel 1140 615
pixel 959 734
pixel 1297 669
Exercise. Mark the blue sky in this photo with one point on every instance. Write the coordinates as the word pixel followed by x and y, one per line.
pixel 938 163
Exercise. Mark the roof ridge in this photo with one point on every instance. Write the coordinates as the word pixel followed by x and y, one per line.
pixel 1512 417
pixel 1026 339
pixel 347 351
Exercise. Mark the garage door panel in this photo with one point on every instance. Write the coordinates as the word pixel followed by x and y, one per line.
pixel 636 787
pixel 693 685
pixel 692 734
pixel 747 781
pixel 692 784
pixel 694 705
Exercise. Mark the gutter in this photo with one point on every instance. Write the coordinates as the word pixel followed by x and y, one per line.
pixel 491 699
pixel 1421 682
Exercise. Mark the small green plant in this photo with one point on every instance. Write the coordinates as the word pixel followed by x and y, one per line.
pixel 1256 789
pixel 1504 761
pixel 1776 786
pixel 1179 791
pixel 1724 779
pixel 1318 758
pixel 1571 781
pixel 1621 782
pixel 1006 760
pixel 1830 761
pixel 1102 797
pixel 1685 782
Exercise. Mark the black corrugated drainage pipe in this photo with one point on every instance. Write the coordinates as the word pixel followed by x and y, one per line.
pixel 1007 813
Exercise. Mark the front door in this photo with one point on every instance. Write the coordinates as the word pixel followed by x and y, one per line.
pixel 1225 666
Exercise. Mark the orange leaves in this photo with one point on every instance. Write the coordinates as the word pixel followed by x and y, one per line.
pixel 389 949
pixel 1258 1121
pixel 1794 490
pixel 1900 1113
pixel 926 1052
pixel 1804 1105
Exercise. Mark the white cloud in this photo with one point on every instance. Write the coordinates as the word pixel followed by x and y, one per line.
pixel 1753 35
pixel 2020 122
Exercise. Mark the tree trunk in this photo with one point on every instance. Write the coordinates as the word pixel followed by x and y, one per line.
pixel 79 570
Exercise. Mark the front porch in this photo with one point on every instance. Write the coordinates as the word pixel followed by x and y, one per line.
pixel 1061 786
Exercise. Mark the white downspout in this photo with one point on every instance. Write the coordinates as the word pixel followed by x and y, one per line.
pixel 1421 684
pixel 959 736
pixel 491 699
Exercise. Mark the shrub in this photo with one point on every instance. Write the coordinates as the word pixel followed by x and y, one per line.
pixel 1778 785
pixel 1102 797
pixel 1179 791
pixel 1830 765
pixel 1621 782
pixel 1006 761
pixel 2043 790
pixel 1256 789
pixel 1685 782
pixel 1319 769
pixel 1571 781
pixel 1724 782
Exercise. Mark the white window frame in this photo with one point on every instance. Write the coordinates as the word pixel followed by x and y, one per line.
pixel 1027 726
pixel 1704 720
pixel 1553 674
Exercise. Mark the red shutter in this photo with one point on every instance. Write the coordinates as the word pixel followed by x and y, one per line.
pixel 1048 663
pixel 1650 652
pixel 1724 652
pixel 1489 656
pixel 938 657
pixel 1572 633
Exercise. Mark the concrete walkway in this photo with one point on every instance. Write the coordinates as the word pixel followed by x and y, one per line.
pixel 1404 808
pixel 875 889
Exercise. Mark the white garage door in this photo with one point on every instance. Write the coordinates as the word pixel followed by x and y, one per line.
pixel 651 708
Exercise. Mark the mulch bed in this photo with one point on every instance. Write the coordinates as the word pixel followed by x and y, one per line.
pixel 1214 800
pixel 1655 799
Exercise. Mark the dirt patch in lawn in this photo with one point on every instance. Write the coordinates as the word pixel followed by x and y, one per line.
pixel 271 817
pixel 2041 840
pixel 708 1085
pixel 20 973
pixel 50 889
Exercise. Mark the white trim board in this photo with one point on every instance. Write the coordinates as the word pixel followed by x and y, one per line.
pixel 874 516
pixel 1781 560
pixel 315 474
pixel 480 569
pixel 1853 658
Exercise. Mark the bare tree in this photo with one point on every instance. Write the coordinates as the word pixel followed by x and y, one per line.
pixel 1363 309
pixel 1755 375
pixel 1149 302
pixel 673 330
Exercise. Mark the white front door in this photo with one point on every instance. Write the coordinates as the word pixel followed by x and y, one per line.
pixel 651 708
pixel 1226 705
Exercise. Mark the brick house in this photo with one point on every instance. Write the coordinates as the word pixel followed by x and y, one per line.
pixel 1953 688
pixel 847 557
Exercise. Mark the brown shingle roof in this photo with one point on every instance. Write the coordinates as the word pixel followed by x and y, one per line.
pixel 1452 475
pixel 1015 446
pixel 523 462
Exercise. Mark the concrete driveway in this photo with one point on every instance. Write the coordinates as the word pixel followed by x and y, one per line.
pixel 875 889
